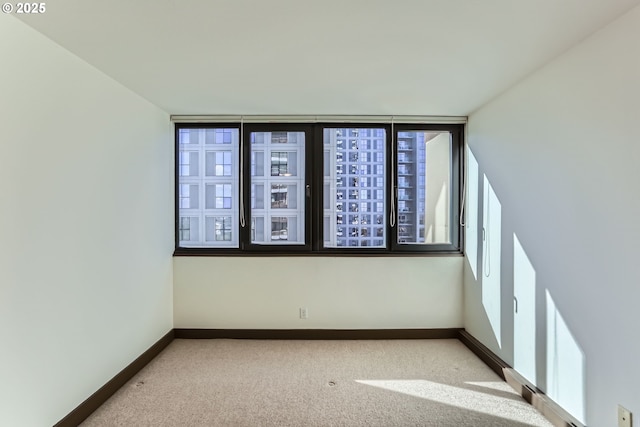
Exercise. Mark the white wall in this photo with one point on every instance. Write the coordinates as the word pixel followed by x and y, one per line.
pixel 85 225
pixel 340 292
pixel 555 164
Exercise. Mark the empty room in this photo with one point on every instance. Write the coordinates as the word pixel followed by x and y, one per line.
pixel 280 213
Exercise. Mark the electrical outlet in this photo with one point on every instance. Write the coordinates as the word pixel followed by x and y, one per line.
pixel 624 417
pixel 304 313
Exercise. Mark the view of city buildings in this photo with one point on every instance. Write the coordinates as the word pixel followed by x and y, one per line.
pixel 354 180
pixel 208 187
pixel 277 187
pixel 354 198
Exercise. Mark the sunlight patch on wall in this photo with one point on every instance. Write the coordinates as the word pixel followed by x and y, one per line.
pixel 491 255
pixel 524 317
pixel 471 220
pixel 565 364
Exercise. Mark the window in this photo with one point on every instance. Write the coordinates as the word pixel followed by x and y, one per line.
pixel 355 179
pixel 318 188
pixel 423 186
pixel 284 215
pixel 208 203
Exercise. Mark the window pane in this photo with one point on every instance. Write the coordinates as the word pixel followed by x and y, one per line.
pixel 218 163
pixel 277 187
pixel 208 187
pixel 188 229
pixel 189 162
pixel 218 196
pixel 424 187
pixel 279 228
pixel 219 229
pixel 279 163
pixel 354 187
pixel 257 196
pixel 257 163
pixel 188 196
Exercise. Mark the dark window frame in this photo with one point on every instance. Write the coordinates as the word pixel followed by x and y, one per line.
pixel 314 177
pixel 456 194
pixel 245 232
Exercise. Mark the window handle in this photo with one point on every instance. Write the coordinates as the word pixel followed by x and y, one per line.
pixel 308 190
pixel 515 304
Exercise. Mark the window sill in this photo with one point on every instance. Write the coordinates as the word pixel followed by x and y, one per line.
pixel 192 252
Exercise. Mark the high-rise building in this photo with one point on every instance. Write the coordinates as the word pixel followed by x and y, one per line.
pixel 355 170
pixel 354 187
pixel 208 185
pixel 277 187
pixel 411 169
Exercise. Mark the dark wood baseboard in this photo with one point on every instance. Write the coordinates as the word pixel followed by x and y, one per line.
pixel 487 356
pixel 551 410
pixel 93 402
pixel 318 334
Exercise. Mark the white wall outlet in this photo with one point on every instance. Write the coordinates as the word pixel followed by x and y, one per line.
pixel 624 417
pixel 304 313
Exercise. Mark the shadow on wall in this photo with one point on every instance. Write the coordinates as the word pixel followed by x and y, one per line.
pixel 513 311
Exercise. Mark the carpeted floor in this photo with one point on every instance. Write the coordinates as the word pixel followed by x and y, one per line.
pixel 316 383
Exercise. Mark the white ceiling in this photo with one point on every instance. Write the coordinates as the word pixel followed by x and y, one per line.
pixel 424 57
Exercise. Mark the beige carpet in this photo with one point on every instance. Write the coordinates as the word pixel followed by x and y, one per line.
pixel 316 383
